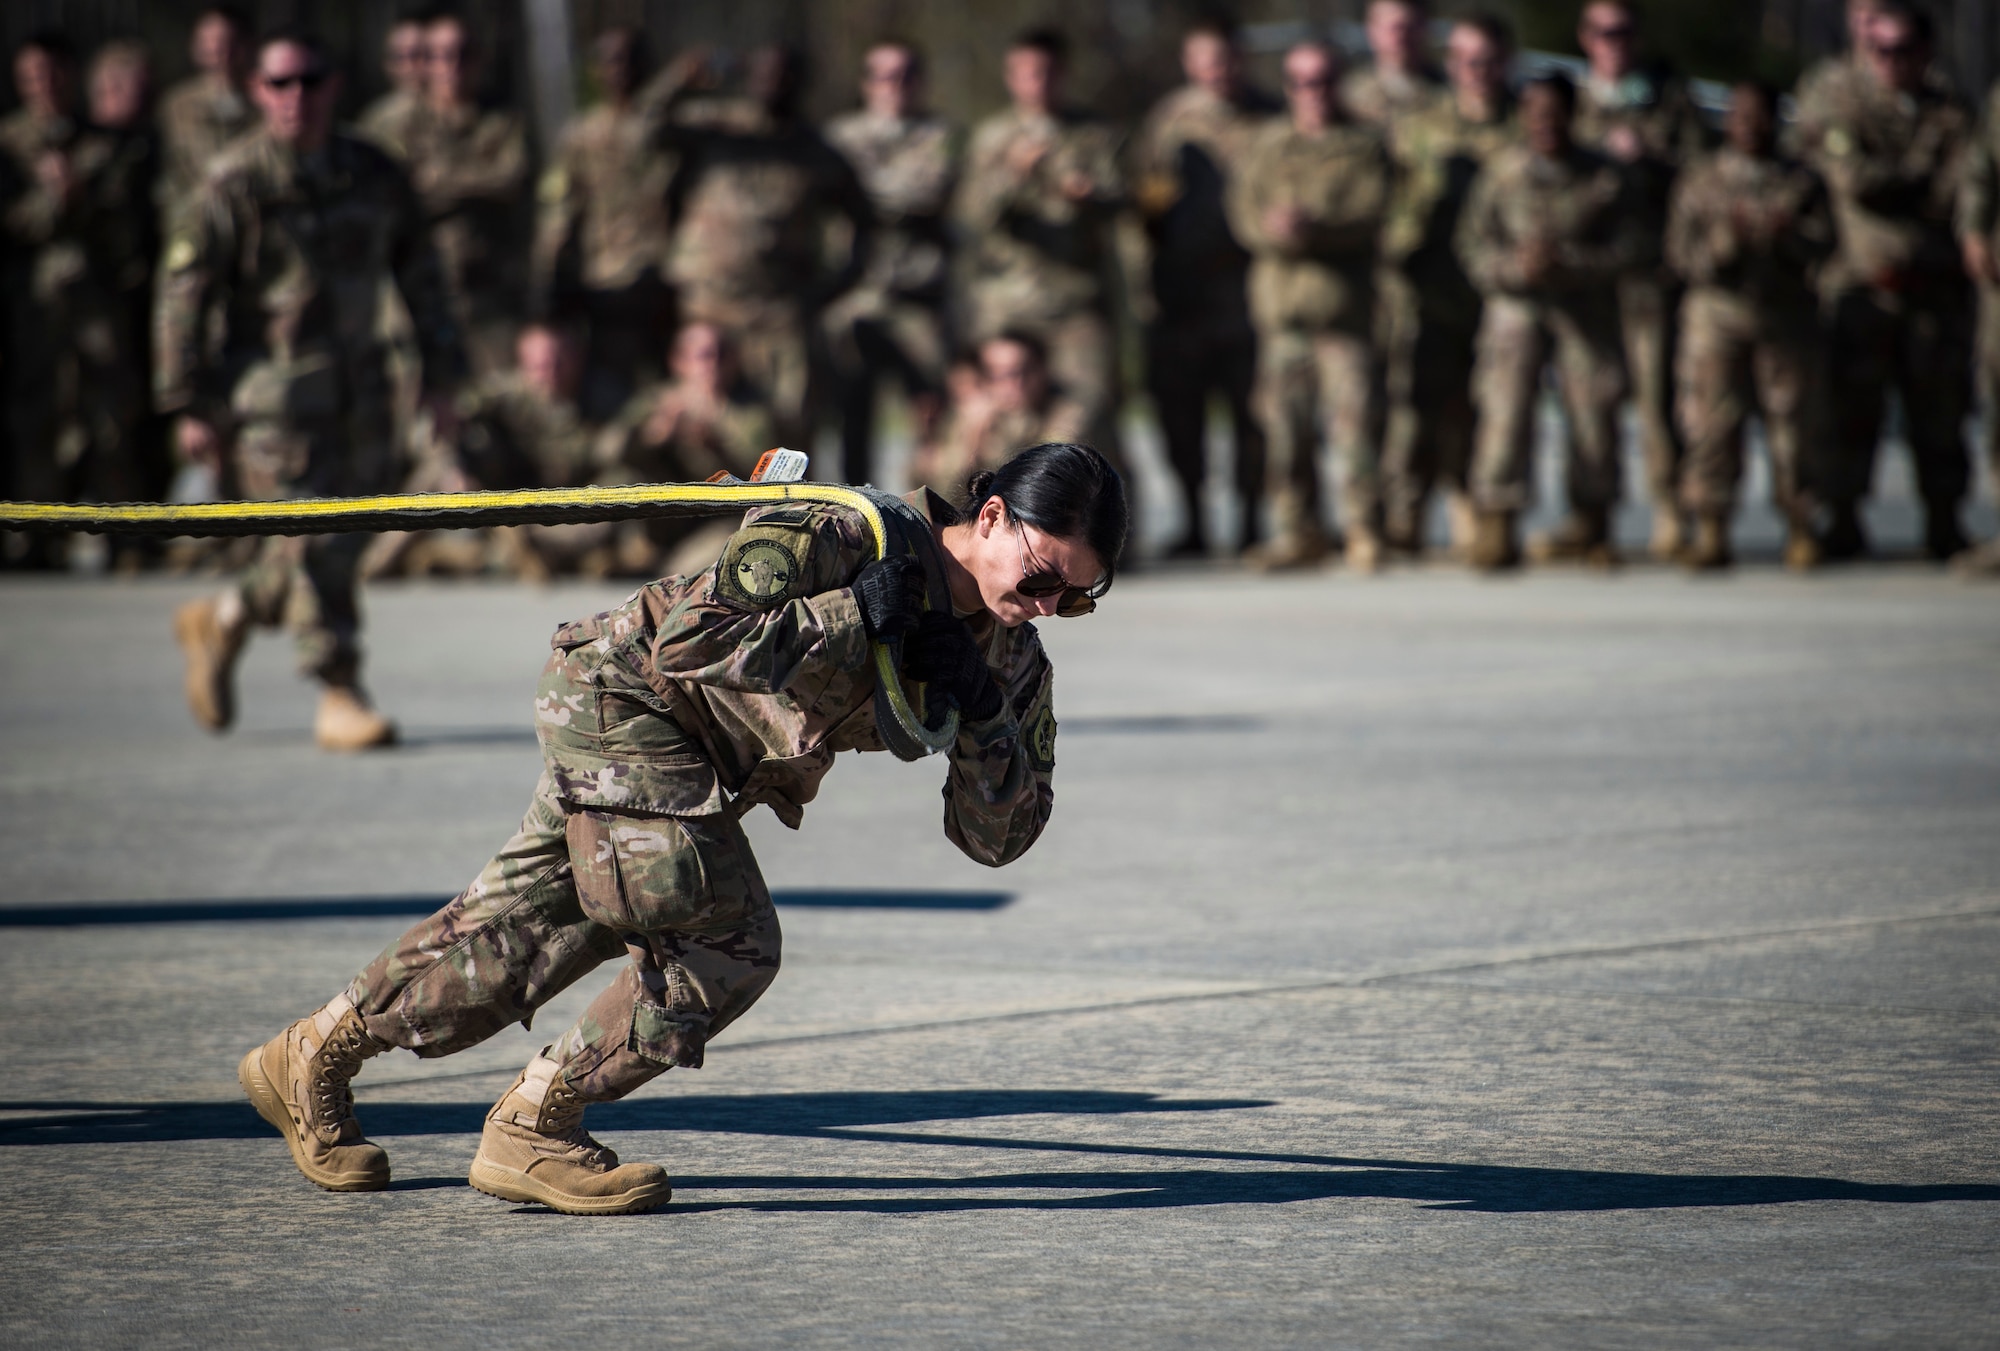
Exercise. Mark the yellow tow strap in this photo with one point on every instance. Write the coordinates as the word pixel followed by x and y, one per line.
pixel 453 511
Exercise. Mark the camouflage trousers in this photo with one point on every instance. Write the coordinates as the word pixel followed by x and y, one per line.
pixel 1428 439
pixel 1188 360
pixel 575 887
pixel 1988 374
pixel 1647 306
pixel 902 341
pixel 1733 361
pixel 309 584
pixel 1517 338
pixel 1915 343
pixel 1312 384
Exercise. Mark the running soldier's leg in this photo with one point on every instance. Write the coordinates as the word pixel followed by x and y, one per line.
pixel 1592 380
pixel 1713 391
pixel 1507 380
pixel 505 946
pixel 1350 404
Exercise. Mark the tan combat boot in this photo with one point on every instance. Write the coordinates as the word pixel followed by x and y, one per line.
pixel 299 1082
pixel 1289 552
pixel 346 722
pixel 1363 553
pixel 211 634
pixel 534 1149
pixel 1582 537
pixel 1670 536
pixel 1464 522
pixel 1709 550
pixel 1493 547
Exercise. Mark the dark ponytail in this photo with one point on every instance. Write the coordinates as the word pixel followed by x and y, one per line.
pixel 1063 489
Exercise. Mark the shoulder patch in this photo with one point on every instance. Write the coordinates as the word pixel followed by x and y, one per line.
pixel 1039 737
pixel 180 253
pixel 763 567
pixel 553 187
pixel 1838 142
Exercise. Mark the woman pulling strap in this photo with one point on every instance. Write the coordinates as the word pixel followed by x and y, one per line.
pixel 661 723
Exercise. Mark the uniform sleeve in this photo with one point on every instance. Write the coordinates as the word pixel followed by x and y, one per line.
pixel 991 189
pixel 195 273
pixel 1814 235
pixel 1247 201
pixel 849 200
pixel 493 170
pixel 1693 244
pixel 776 616
pixel 1979 191
pixel 420 277
pixel 1356 226
pixel 1482 242
pixel 1628 241
pixel 999 790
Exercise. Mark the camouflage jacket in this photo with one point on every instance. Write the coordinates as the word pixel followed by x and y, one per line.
pixel 973 443
pixel 1339 180
pixel 752 208
pixel 717 691
pixel 1893 164
pixel 603 197
pixel 1191 146
pixel 1755 229
pixel 197 123
pixel 908 168
pixel 512 435
pixel 275 301
pixel 1036 254
pixel 469 168
pixel 1581 207
pixel 1438 153
pixel 729 438
pixel 388 121
pixel 56 243
pixel 1382 100
pixel 1656 107
pixel 1979 194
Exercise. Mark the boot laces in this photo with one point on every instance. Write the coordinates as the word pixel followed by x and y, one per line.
pixel 331 1084
pixel 562 1119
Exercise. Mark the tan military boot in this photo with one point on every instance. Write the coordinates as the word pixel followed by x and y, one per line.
pixel 1670 537
pixel 535 1149
pixel 299 1082
pixel 1289 553
pixel 1364 551
pixel 1582 537
pixel 1464 522
pixel 346 722
pixel 211 634
pixel 1493 547
pixel 1709 550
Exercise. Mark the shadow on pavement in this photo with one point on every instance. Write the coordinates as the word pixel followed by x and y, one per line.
pixel 84 913
pixel 1282 1178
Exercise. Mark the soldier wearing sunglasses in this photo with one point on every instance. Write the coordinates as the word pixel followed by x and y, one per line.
pixel 663 722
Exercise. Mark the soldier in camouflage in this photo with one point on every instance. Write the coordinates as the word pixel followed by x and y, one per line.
pixel 1309 205
pixel 600 248
pixel 1892 149
pixel 1641 117
pixel 1979 245
pixel 662 723
pixel 1005 406
pixel 71 397
pixel 1548 227
pixel 270 347
pixel 1431 325
pixel 1746 232
pixel 387 120
pixel 1200 342
pixel 1400 79
pixel 1037 209
pixel 469 166
pixel 205 112
pixel 893 324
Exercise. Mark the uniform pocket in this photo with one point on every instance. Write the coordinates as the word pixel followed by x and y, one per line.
pixel 645 874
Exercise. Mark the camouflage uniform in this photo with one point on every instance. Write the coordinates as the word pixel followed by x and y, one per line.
pixel 1896 290
pixel 1201 341
pixel 389 120
pixel 662 723
pixel 1657 110
pixel 988 443
pixel 753 203
pixel 893 322
pixel 273 310
pixel 197 120
pixel 1979 214
pixel 1313 303
pixel 1582 208
pixel 1430 315
pixel 76 388
pixel 601 245
pixel 1372 96
pixel 470 171
pixel 706 441
pixel 1749 324
pixel 1039 263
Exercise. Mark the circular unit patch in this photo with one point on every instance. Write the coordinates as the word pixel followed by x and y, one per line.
pixel 764 571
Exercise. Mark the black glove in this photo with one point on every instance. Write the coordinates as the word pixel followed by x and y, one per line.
pixel 940 652
pixel 890 592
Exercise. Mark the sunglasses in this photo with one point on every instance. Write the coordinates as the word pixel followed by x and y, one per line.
pixel 1040 581
pixel 1618 34
pixel 306 80
pixel 1896 52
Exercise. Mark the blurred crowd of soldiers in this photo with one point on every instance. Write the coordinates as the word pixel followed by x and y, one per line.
pixel 1372 275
